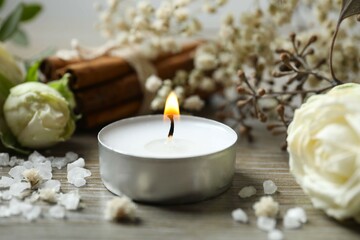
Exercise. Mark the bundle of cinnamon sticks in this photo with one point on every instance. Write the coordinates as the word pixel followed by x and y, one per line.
pixel 107 88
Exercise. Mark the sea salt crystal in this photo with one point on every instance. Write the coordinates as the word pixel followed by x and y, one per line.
pixel 6 195
pixel 239 215
pixel 28 164
pixel 17 189
pixel 16 172
pixel 57 212
pixel 275 234
pixel 44 168
pixel 4 211
pixel 78 163
pixel 265 223
pixel 246 192
pixel 15 161
pixel 4 159
pixel 70 200
pixel 269 187
pixel 6 182
pixel 51 184
pixel 76 176
pixel 36 157
pixel 298 213
pixel 59 162
pixel 266 207
pixel 33 213
pixel 71 156
pixel 294 218
pixel 17 207
pixel 120 208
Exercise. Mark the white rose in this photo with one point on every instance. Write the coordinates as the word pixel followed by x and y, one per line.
pixel 324 148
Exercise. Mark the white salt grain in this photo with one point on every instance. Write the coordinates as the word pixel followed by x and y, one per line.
pixel 71 156
pixel 28 164
pixel 59 162
pixel 4 159
pixel 266 207
pixel 70 200
pixel 239 215
pixel 246 192
pixel 6 182
pixel 45 169
pixel 4 211
pixel 33 213
pixel 120 208
pixel 75 175
pixel 269 187
pixel 16 172
pixel 17 207
pixel 294 218
pixel 57 212
pixel 36 157
pixel 275 235
pixel 6 195
pixel 33 198
pixel 298 213
pixel 15 161
pixel 265 223
pixel 78 163
pixel 17 189
pixel 51 184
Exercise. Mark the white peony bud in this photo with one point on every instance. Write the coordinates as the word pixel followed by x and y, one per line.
pixel 38 115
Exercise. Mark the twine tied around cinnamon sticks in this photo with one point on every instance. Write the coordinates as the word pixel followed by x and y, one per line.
pixel 109 83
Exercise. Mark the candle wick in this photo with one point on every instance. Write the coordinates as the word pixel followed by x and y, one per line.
pixel 172 126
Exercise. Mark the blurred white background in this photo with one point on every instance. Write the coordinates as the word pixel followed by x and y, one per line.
pixel 63 20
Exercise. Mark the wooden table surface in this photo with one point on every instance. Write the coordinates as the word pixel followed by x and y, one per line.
pixel 209 219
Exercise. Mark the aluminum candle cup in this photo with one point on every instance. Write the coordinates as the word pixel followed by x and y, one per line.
pixel 139 160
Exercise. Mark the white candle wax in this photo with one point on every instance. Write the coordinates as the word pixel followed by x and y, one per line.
pixel 147 137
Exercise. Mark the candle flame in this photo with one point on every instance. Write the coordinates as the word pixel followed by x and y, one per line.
pixel 172 106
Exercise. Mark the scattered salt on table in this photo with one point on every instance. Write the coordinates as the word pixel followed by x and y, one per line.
pixel 57 212
pixel 246 192
pixel 239 215
pixel 266 223
pixel 275 234
pixel 294 218
pixel 269 187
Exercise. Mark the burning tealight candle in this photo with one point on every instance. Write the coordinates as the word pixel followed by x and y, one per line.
pixel 145 160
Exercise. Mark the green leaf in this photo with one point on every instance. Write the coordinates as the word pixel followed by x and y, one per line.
pixel 2 3
pixel 9 26
pixel 62 87
pixel 20 37
pixel 5 86
pixel 30 11
pixel 32 73
pixel 8 140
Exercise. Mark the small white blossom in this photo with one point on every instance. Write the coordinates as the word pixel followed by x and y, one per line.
pixel 181 14
pixel 194 103
pixel 153 83
pixel 120 208
pixel 205 61
pixel 266 207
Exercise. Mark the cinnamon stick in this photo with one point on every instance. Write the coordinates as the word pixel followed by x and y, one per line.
pixel 102 117
pixel 128 87
pixel 49 66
